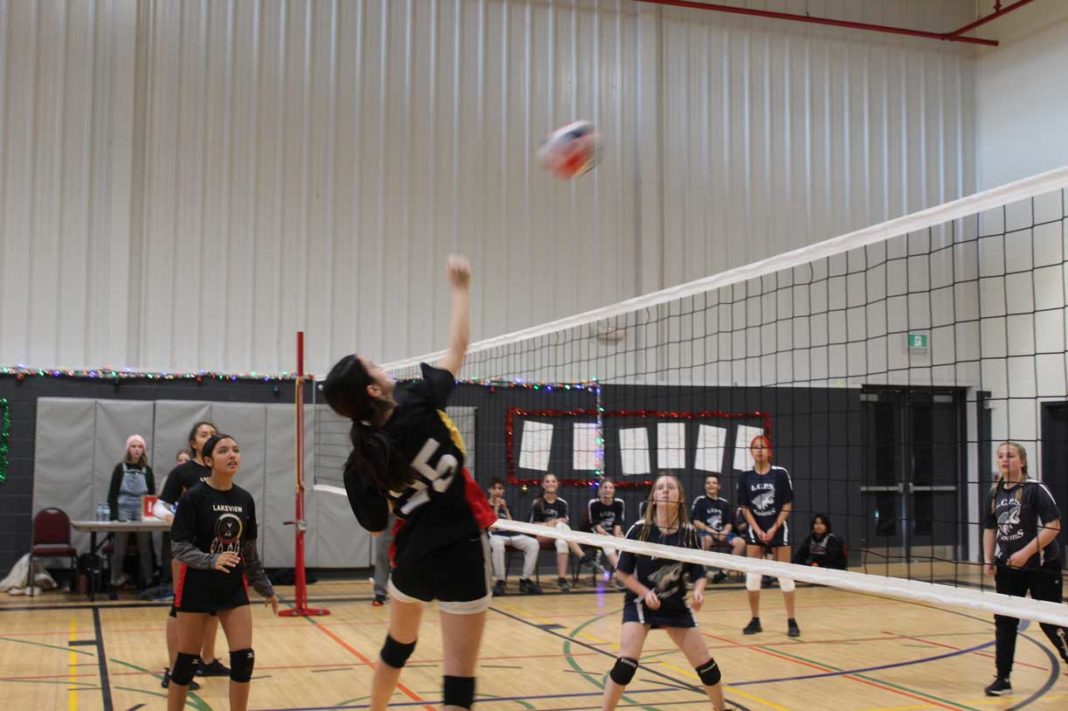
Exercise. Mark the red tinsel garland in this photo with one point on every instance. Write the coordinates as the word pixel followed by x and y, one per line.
pixel 509 434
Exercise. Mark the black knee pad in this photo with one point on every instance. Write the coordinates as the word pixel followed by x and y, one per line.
pixel 185 667
pixel 459 691
pixel 241 663
pixel 709 673
pixel 395 654
pixel 623 670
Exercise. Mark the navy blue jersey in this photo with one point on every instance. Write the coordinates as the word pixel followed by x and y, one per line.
pixel 714 513
pixel 664 575
pixel 607 516
pixel 765 495
pixel 541 511
pixel 1016 512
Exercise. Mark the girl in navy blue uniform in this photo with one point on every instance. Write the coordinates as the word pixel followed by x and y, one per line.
pixel 766 496
pixel 656 594
pixel 213 538
pixel 408 457
pixel 1021 551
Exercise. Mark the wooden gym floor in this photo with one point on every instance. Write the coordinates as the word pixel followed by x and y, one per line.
pixel 546 652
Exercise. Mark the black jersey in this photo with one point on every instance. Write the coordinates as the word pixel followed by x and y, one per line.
pixel 607 516
pixel 765 494
pixel 215 522
pixel 1016 512
pixel 714 513
pixel 443 504
pixel 181 479
pixel 667 577
pixel 541 511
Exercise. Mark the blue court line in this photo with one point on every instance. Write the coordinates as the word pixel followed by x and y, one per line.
pixel 881 667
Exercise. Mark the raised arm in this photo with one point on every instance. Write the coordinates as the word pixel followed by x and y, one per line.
pixel 459 270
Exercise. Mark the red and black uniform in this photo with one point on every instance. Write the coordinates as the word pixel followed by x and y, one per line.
pixel 439 549
pixel 209 522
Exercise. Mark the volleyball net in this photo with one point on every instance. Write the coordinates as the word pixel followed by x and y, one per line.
pixel 886 365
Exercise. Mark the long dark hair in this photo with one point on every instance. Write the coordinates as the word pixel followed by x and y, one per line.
pixel 374 455
pixel 819 517
pixel 193 437
pixel 213 441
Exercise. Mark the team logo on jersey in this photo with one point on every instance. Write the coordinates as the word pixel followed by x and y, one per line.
pixel 715 519
pixel 764 503
pixel 667 579
pixel 227 534
pixel 1009 519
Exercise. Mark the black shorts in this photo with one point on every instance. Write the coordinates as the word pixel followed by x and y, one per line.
pixel 636 611
pixel 206 592
pixel 457 576
pixel 779 540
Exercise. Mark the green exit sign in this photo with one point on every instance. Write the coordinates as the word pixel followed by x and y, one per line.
pixel 918 341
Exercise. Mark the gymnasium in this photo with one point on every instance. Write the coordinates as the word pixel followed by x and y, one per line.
pixel 703 241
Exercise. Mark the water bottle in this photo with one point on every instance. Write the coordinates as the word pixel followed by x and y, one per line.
pixel 105 512
pixel 99 511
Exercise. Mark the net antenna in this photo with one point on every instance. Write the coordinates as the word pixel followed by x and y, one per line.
pixel 300 607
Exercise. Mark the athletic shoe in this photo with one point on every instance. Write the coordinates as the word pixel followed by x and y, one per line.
pixel 792 629
pixel 769 582
pixel 166 683
pixel 999 687
pixel 498 588
pixel 216 668
pixel 379 601
pixel 753 627
pixel 719 577
pixel 528 587
pixel 563 585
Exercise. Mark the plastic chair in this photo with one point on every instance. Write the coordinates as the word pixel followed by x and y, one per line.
pixel 51 539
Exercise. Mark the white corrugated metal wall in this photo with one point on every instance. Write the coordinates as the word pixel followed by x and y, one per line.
pixel 185 185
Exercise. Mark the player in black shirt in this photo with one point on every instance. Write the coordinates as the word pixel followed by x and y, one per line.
pixel 823 548
pixel 656 594
pixel 713 518
pixel 182 478
pixel 1021 551
pixel 551 511
pixel 607 516
pixel 214 540
pixel 408 456
pixel 766 496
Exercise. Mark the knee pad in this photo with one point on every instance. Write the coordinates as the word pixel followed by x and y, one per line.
pixel 786 584
pixel 459 691
pixel 561 545
pixel 624 670
pixel 241 663
pixel 185 667
pixel 709 673
pixel 752 582
pixel 395 654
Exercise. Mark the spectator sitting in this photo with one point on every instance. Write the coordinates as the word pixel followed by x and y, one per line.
pixel 499 539
pixel 822 548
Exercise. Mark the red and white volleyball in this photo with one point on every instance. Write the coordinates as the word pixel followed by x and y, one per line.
pixel 571 151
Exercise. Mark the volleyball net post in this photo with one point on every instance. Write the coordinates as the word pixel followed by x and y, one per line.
pixel 300 604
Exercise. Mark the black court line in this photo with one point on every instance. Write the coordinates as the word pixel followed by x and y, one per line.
pixel 102 661
pixel 82 643
pixel 683 685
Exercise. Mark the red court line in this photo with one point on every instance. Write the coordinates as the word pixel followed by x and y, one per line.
pixel 352 650
pixel 844 676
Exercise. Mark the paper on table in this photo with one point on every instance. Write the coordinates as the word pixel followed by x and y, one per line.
pixel 535 445
pixel 634 448
pixel 743 460
pixel 671 445
pixel 711 441
pixel 584 456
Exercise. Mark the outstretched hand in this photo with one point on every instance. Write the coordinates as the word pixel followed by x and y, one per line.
pixel 459 270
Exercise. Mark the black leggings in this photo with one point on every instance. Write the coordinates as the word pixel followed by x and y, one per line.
pixel 1043 584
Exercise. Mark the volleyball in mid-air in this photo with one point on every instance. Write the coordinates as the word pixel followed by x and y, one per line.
pixel 571 151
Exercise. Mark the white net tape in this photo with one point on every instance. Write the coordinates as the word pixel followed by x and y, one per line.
pixel 914 590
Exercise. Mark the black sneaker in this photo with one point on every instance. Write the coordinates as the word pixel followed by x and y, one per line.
pixel 528 587
pixel 166 683
pixel 498 588
pixel 753 627
pixel 768 582
pixel 378 601
pixel 792 629
pixel 999 687
pixel 563 585
pixel 719 577
pixel 216 668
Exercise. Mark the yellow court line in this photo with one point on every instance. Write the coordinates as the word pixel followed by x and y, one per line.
pixel 744 694
pixel 72 668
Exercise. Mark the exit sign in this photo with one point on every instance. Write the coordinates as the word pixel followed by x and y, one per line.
pixel 918 341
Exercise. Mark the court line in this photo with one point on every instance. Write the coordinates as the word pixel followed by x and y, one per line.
pixel 102 661
pixel 354 652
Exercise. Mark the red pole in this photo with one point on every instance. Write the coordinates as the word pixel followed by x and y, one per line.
pixel 300 607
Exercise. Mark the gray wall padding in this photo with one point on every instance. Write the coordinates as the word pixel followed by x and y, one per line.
pixel 79 441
